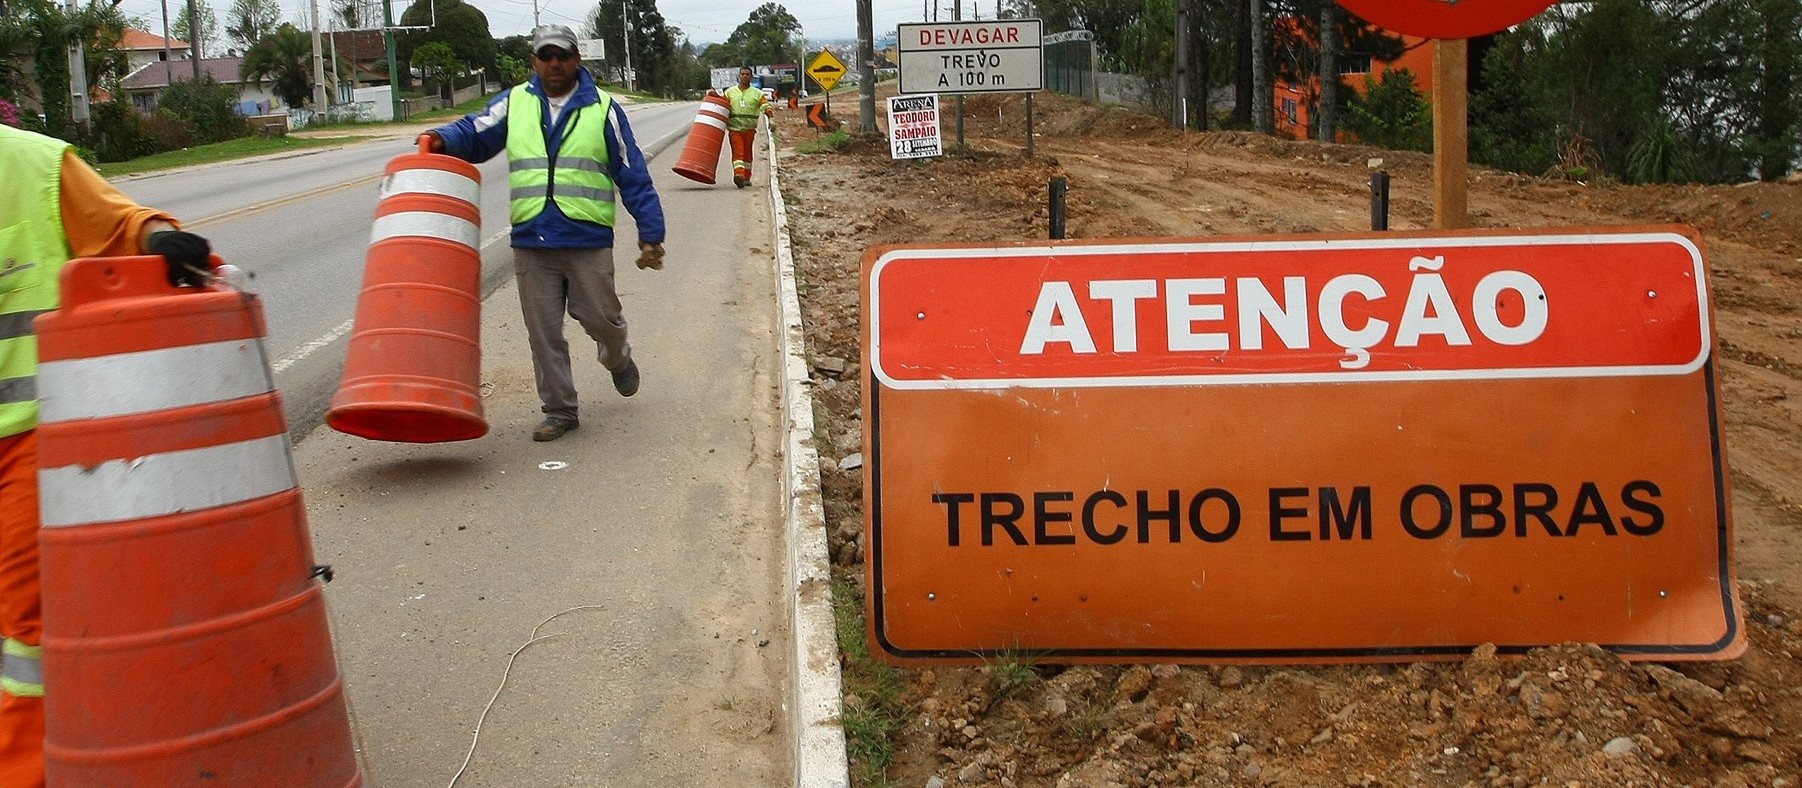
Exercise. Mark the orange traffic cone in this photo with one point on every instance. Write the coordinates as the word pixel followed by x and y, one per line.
pixel 185 638
pixel 702 153
pixel 413 369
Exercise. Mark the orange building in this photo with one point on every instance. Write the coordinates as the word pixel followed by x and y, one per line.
pixel 1293 104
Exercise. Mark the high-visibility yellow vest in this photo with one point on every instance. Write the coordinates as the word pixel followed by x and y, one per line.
pixel 33 248
pixel 747 104
pixel 577 180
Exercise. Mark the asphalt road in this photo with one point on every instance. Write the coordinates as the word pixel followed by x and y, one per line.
pixel 641 557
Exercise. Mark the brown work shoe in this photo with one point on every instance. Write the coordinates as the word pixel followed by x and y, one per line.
pixel 553 428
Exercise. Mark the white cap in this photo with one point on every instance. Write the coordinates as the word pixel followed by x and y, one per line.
pixel 553 36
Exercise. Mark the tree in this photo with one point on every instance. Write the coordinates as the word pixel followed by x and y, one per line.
pixel 47 31
pixel 207 36
pixel 1646 91
pixel 461 26
pixel 206 109
pixel 1777 107
pixel 438 64
pixel 767 36
pixel 250 20
pixel 284 58
pixel 1391 113
pixel 512 60
pixel 654 51
pixel 1508 128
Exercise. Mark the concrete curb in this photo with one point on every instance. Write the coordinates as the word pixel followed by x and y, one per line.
pixel 815 692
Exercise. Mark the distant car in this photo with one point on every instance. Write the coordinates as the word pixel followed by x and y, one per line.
pixel 769 94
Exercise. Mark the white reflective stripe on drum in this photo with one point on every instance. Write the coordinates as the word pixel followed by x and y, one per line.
pixel 425 224
pixel 151 380
pixel 715 109
pixel 448 184
pixel 711 121
pixel 159 484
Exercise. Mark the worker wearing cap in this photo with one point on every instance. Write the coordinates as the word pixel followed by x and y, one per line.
pixel 53 209
pixel 569 148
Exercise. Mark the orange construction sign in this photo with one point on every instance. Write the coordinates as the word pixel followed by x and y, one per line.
pixel 1296 449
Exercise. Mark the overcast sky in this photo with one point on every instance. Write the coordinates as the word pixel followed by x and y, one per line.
pixel 701 20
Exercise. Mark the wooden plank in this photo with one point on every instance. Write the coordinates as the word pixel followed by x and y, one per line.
pixel 1451 139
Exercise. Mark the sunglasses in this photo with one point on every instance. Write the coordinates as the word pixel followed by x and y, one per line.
pixel 552 53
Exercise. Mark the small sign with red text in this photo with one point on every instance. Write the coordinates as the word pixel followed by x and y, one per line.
pixel 1296 449
pixel 913 127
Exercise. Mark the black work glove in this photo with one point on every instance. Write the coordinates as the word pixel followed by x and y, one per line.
pixel 186 255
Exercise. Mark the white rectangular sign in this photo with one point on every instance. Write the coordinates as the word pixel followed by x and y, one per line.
pixel 592 48
pixel 971 57
pixel 913 127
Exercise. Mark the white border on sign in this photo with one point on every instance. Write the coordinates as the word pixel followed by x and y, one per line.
pixel 1149 381
pixel 908 55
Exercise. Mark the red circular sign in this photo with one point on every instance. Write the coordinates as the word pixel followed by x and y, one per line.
pixel 1445 18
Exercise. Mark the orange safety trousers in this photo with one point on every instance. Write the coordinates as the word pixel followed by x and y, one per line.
pixel 21 718
pixel 742 144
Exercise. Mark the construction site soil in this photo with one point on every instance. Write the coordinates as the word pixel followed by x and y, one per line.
pixel 1570 714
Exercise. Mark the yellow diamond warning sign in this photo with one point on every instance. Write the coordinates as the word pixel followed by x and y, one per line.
pixel 826 69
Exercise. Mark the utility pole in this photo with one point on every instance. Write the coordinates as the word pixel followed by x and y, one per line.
pixel 625 26
pixel 957 15
pixel 393 66
pixel 866 68
pixel 194 39
pixel 168 68
pixel 78 77
pixel 318 64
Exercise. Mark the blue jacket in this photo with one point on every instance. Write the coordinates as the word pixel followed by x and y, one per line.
pixel 478 137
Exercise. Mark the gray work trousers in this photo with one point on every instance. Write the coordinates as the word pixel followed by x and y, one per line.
pixel 580 281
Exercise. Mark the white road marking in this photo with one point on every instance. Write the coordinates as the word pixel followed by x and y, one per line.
pixel 298 354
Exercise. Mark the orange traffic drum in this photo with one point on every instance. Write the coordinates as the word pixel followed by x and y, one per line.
pixel 185 635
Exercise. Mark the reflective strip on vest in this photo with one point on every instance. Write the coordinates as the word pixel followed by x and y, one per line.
pixel 579 180
pixel 141 382
pixel 426 224
pixel 22 669
pixel 18 324
pixel 158 484
pixel 747 104
pixel 427 181
pixel 527 192
pixel 18 390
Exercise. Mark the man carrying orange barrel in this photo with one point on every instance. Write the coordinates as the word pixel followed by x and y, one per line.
pixel 747 103
pixel 53 208
pixel 569 148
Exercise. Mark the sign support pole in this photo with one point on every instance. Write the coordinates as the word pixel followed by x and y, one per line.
pixel 1029 125
pixel 1451 139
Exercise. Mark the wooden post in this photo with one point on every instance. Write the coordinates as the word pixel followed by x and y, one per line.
pixel 1450 134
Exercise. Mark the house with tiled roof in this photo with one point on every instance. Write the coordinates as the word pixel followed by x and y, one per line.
pixel 145 84
pixel 362 57
pixel 142 49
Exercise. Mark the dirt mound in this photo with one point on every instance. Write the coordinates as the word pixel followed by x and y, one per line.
pixel 1571 714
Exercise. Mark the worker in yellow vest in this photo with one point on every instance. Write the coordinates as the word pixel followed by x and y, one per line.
pixel 747 103
pixel 53 208
pixel 570 152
